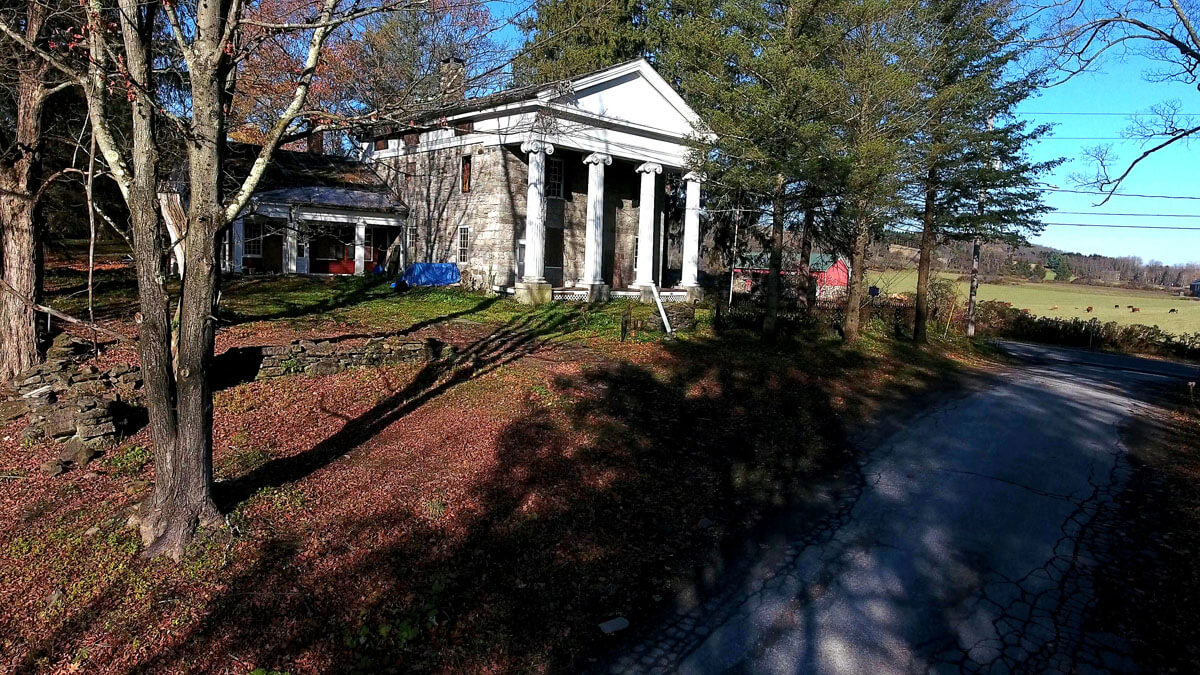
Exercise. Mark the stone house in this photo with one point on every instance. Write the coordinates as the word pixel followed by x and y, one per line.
pixel 571 190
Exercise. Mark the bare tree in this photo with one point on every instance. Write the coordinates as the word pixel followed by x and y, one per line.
pixel 175 64
pixel 1079 34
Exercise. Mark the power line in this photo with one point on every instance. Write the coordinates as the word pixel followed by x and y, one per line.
pixel 1124 227
pixel 1093 138
pixel 1101 114
pixel 1119 194
pixel 1130 215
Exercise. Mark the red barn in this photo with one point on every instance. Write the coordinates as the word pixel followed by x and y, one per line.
pixel 831 272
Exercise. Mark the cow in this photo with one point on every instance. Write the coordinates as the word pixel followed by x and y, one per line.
pixel 1054 308
pixel 1135 309
pixel 1116 307
pixel 1089 310
pixel 1173 311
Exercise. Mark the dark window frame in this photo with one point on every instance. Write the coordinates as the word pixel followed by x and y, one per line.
pixel 556 178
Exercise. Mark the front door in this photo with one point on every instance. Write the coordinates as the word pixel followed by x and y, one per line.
pixel 554 256
pixel 302 240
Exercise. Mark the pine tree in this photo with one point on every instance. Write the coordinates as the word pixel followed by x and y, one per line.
pixel 566 39
pixel 751 70
pixel 871 105
pixel 973 177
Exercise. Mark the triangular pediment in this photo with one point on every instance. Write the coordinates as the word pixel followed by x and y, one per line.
pixel 631 92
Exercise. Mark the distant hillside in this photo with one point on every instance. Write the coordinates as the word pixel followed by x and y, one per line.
pixel 898 250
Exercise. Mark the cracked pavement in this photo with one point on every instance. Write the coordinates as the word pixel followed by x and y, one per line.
pixel 965 542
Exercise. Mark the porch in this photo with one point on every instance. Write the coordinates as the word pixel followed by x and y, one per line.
pixel 541 260
pixel 288 232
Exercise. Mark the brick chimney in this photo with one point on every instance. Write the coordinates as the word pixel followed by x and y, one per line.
pixel 452 79
pixel 316 143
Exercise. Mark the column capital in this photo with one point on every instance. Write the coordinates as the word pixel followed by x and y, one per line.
pixel 532 146
pixel 650 167
pixel 598 158
pixel 695 177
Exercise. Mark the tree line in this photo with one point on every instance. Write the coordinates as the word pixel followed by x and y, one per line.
pixel 1029 261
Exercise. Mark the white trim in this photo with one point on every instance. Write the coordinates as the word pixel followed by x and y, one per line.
pixel 461 251
pixel 281 211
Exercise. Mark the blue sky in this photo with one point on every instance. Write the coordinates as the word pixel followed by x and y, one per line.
pixel 1118 87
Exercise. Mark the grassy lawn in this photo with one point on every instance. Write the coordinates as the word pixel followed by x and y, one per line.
pixel 1071 300
pixel 482 515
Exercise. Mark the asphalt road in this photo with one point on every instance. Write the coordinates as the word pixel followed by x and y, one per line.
pixel 965 542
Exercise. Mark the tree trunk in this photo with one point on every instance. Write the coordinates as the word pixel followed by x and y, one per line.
pixel 775 273
pixel 856 292
pixel 18 330
pixel 920 328
pixel 19 254
pixel 182 498
pixel 808 285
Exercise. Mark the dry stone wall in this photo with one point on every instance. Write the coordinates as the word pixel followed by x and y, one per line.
pixel 327 357
pixel 76 405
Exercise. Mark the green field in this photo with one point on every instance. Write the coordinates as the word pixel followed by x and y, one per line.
pixel 1072 300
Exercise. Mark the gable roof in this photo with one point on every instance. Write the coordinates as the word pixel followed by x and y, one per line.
pixel 582 94
pixel 817 262
pixel 308 179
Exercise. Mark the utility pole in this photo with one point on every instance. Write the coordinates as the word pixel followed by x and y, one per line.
pixel 974 285
pixel 975 246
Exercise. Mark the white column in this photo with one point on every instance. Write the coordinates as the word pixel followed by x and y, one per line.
pixel 644 274
pixel 238 232
pixel 594 234
pixel 535 212
pixel 289 243
pixel 360 248
pixel 691 231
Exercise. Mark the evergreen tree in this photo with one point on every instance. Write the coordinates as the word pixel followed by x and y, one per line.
pixel 566 39
pixel 751 68
pixel 871 105
pixel 973 177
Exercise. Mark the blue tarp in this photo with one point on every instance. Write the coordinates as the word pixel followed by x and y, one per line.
pixel 431 274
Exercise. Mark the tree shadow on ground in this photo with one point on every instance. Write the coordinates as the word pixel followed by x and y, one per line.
pixel 238 365
pixel 343 294
pixel 617 490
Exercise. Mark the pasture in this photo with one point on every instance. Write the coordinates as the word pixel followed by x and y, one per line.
pixel 1070 300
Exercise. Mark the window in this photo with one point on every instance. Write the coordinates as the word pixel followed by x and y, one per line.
pixel 466 174
pixel 252 236
pixel 410 172
pixel 412 139
pixel 554 178
pixel 464 243
pixel 410 239
pixel 464 128
pixel 381 144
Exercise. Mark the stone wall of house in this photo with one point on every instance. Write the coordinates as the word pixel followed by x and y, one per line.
pixel 78 406
pixel 326 357
pixel 494 209
pixel 430 183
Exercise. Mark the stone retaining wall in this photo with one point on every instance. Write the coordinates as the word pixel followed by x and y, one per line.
pixel 78 406
pixel 327 357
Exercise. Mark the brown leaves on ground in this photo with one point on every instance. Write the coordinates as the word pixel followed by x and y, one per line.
pixel 479 515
